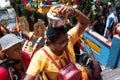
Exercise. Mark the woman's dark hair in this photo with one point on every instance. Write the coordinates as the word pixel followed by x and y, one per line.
pixel 85 60
pixel 97 16
pixel 53 34
pixel 117 7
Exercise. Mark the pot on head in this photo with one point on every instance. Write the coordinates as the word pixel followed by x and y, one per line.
pixel 55 19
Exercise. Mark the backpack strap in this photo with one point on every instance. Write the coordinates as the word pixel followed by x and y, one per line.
pixel 67 55
pixel 51 59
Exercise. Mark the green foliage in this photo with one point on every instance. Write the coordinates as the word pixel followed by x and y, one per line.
pixel 85 7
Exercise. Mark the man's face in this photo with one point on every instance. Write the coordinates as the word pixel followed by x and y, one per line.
pixel 118 12
pixel 98 2
pixel 14 52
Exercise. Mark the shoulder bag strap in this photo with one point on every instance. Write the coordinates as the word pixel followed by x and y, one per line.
pixel 67 55
pixel 66 60
pixel 51 59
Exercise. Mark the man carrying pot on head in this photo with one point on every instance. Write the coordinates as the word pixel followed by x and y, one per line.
pixel 58 51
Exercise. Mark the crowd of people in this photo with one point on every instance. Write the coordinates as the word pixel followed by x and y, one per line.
pixel 104 16
pixel 44 51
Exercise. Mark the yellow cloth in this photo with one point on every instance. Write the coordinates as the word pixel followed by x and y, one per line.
pixel 41 63
pixel 84 73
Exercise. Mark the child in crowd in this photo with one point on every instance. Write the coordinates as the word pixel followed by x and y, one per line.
pixel 14 62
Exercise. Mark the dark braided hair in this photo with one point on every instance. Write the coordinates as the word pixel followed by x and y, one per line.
pixel 54 34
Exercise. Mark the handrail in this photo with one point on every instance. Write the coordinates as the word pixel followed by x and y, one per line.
pixel 102 39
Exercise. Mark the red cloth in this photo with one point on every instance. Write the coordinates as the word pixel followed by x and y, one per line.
pixel 78 44
pixel 25 1
pixel 3 72
pixel 76 2
pixel 26 59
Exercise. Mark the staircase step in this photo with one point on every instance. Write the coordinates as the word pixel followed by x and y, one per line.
pixel 111 74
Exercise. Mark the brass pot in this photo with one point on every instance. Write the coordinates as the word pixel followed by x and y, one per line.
pixel 55 21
